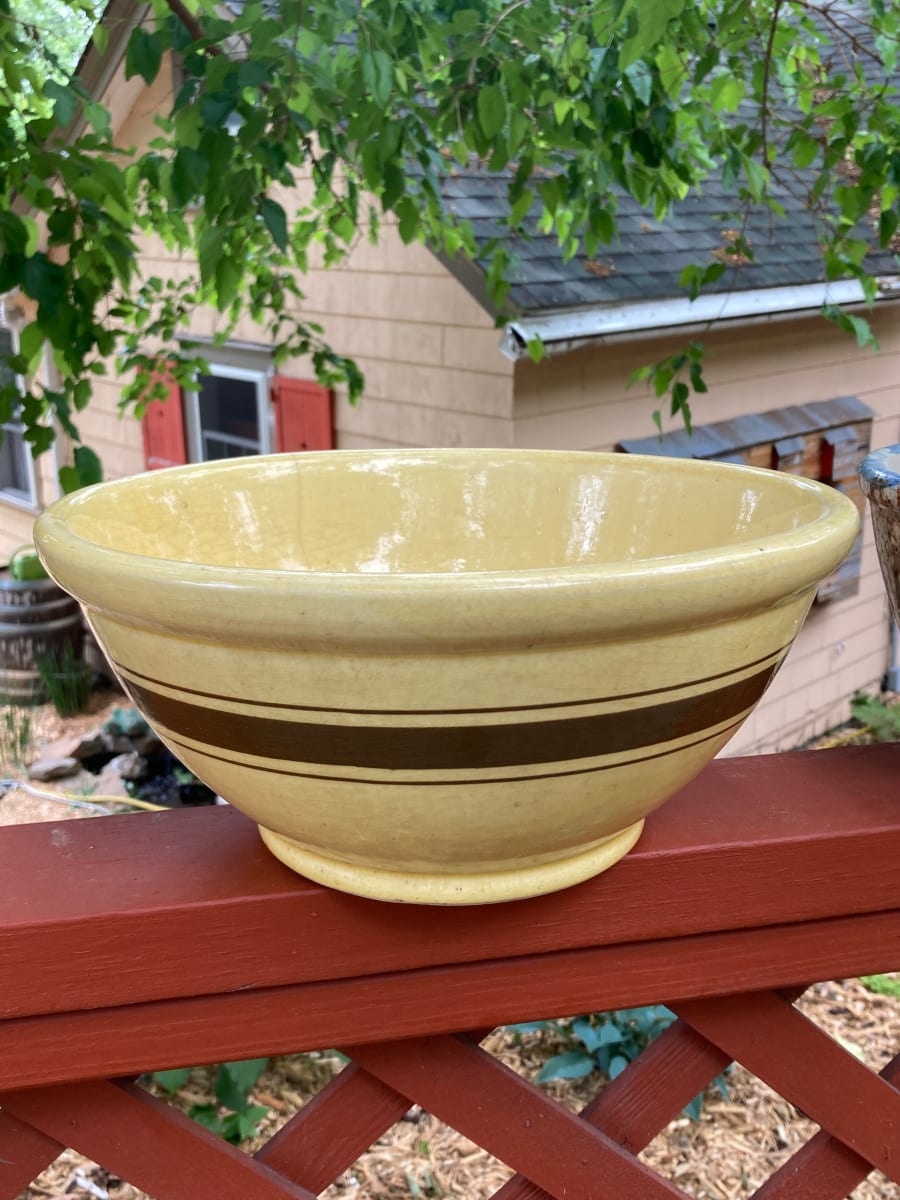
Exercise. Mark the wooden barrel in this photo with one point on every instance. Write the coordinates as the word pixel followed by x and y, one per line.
pixel 36 618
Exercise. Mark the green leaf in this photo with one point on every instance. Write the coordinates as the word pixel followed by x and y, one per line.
pixel 209 250
pixel 805 149
pixel 88 466
pixel 143 56
pixel 610 1034
pixel 646 20
pixel 275 220
pixel 535 348
pixel 237 1127
pixel 884 985
pixel 617 1066
pixel 378 75
pixel 171 1081
pixel 235 1079
pixel 65 102
pixel 491 110
pixel 87 470
pixel 641 81
pixel 522 207
pixel 190 172
pixel 100 37
pixel 574 1064
pixel 586 1033
pixel 31 344
pixel 229 277
pixel 726 93
pixel 850 323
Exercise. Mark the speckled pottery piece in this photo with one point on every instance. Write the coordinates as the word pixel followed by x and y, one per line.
pixel 879 477
pixel 447 676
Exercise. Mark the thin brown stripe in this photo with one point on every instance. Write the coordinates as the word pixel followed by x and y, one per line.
pixel 454 747
pixel 450 712
pixel 729 729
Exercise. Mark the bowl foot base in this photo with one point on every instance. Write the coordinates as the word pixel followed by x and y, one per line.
pixel 439 887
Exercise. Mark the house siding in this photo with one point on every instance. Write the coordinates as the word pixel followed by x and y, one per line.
pixel 582 401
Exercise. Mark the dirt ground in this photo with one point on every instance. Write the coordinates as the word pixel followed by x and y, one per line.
pixel 725 1155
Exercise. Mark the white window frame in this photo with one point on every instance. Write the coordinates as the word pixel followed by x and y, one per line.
pixel 15 428
pixel 263 408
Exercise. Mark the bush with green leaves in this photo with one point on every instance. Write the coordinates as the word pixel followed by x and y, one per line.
pixel 606 1043
pixel 233 1117
pixel 881 720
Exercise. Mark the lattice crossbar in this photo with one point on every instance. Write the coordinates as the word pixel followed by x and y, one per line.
pixel 555 1154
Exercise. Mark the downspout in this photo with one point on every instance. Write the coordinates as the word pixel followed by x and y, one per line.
pixel 51 380
pixel 892 675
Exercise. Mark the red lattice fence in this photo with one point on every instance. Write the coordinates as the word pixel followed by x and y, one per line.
pixel 129 945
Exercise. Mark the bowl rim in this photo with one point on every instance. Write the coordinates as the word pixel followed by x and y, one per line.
pixel 562 601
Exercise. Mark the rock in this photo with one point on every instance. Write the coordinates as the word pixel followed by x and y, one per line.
pixel 117 743
pixel 78 746
pixel 127 766
pixel 122 743
pixel 46 769
pixel 110 783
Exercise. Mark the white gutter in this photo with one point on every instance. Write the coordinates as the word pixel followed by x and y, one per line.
pixel 563 331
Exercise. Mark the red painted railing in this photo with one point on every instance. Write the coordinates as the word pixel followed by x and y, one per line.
pixel 136 944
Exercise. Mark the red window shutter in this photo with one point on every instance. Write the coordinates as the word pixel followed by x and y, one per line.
pixel 164 442
pixel 303 415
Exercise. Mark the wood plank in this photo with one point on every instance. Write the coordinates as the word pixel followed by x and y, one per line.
pixel 148 1143
pixel 333 1129
pixel 649 1093
pixel 253 1023
pixel 780 1045
pixel 175 883
pixel 24 1153
pixel 483 1099
pixel 824 1168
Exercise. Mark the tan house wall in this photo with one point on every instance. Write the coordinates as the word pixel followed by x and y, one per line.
pixel 15 520
pixel 582 401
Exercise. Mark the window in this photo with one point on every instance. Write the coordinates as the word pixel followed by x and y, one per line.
pixel 17 482
pixel 228 416
pixel 239 408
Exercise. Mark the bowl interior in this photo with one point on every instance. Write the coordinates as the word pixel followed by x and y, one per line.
pixel 435 512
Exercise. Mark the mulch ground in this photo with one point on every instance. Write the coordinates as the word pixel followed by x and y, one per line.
pixel 725 1155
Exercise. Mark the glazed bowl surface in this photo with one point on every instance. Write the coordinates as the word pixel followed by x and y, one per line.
pixel 447 676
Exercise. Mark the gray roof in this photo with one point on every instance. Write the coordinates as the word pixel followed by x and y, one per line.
pixel 647 258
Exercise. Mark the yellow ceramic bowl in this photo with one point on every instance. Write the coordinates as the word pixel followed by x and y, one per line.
pixel 447 676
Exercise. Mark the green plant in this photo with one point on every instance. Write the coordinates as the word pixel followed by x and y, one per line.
pixel 884 985
pixel 15 736
pixel 24 565
pixel 606 1042
pixel 881 720
pixel 126 722
pixel 427 1185
pixel 67 678
pixel 233 1117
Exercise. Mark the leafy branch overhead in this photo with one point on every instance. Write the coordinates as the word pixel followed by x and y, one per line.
pixel 370 106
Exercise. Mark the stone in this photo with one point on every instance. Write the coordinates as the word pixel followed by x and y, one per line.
pixel 78 746
pixel 109 784
pixel 127 766
pixel 53 768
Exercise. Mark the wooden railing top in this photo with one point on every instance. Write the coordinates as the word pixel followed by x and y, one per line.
pixel 119 910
